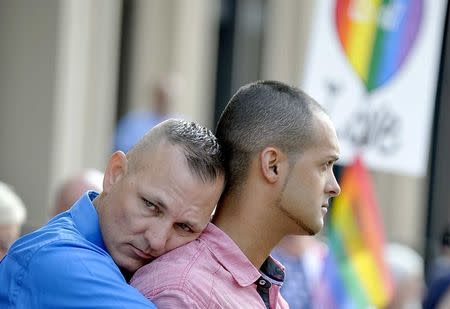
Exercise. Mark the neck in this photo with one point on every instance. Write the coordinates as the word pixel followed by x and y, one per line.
pixel 250 220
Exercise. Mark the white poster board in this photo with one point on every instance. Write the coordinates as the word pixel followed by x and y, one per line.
pixel 374 67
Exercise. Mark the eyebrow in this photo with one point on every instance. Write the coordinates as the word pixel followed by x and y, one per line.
pixel 334 157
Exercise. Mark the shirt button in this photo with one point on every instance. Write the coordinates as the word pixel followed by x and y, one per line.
pixel 262 282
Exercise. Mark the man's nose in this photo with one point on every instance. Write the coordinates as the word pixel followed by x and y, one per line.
pixel 157 239
pixel 335 189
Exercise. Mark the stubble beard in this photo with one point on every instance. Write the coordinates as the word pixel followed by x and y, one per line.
pixel 297 221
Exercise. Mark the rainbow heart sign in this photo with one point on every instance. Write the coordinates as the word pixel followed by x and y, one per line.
pixel 377 36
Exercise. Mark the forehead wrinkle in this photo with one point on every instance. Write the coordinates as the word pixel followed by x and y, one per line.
pixel 189 215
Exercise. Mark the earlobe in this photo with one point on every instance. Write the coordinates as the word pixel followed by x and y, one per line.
pixel 116 168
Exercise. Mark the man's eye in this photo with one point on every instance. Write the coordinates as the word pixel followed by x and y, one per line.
pixel 151 206
pixel 326 166
pixel 329 163
pixel 185 227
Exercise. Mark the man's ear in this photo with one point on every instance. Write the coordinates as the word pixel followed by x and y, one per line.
pixel 271 160
pixel 116 168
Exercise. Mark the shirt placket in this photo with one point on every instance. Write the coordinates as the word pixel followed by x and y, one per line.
pixel 263 289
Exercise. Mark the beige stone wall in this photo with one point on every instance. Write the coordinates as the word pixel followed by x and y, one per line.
pixel 58 75
pixel 176 36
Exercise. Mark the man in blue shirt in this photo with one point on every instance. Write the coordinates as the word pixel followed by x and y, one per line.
pixel 158 196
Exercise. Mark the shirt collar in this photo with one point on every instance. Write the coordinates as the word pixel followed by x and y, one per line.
pixel 231 257
pixel 273 271
pixel 85 217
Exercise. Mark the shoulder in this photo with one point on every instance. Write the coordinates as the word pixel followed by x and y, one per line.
pixel 184 274
pixel 174 268
pixel 59 252
pixel 64 268
pixel 55 235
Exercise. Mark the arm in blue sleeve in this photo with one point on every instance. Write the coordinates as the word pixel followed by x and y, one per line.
pixel 76 277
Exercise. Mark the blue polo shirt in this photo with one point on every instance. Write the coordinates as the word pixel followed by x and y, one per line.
pixel 65 264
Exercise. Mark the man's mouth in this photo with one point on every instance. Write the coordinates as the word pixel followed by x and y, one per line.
pixel 141 254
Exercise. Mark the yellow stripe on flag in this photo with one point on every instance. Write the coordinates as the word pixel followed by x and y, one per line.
pixel 363 16
pixel 369 275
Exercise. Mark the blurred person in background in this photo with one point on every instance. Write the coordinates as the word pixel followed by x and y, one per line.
pixel 12 216
pixel 303 257
pixel 158 196
pixel 438 294
pixel 136 123
pixel 440 266
pixel 70 190
pixel 279 147
pixel 407 269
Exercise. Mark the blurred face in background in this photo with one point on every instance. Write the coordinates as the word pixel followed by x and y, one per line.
pixel 408 293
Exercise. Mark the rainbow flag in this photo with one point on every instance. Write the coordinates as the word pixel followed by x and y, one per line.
pixel 355 273
pixel 377 35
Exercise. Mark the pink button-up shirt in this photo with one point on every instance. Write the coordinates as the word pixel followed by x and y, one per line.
pixel 210 272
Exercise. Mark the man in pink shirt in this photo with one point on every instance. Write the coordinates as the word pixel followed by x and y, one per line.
pixel 279 147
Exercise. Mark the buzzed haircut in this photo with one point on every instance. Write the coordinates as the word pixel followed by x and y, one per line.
pixel 201 149
pixel 262 114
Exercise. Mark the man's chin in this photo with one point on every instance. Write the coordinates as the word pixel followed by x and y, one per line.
pixel 130 266
pixel 317 228
pixel 310 229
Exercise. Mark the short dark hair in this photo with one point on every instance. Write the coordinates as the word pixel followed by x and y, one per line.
pixel 262 114
pixel 203 152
